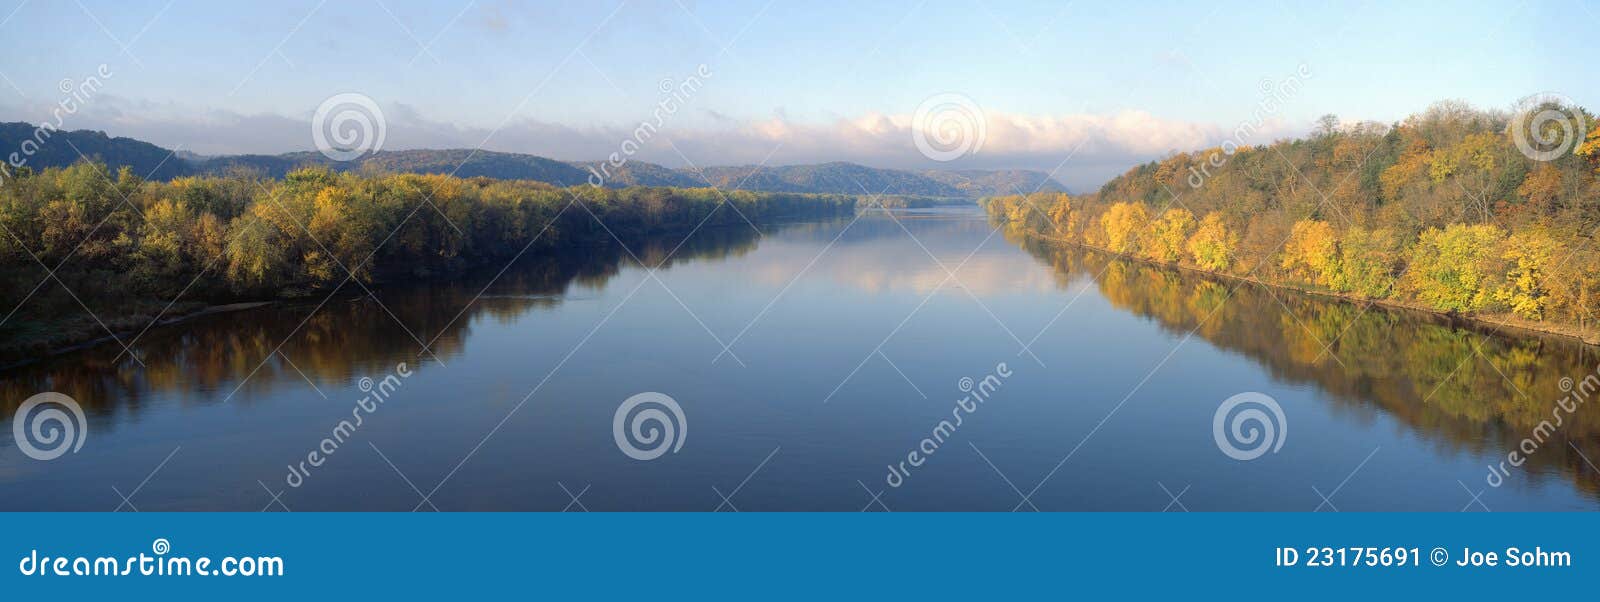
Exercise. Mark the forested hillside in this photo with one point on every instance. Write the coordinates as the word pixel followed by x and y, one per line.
pixel 125 250
pixel 1452 209
pixel 39 148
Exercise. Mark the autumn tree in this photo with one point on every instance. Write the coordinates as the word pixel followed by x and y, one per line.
pixel 1451 268
pixel 1212 246
pixel 1442 210
pixel 1123 224
pixel 1167 236
pixel 1590 148
pixel 1369 261
pixel 1529 256
pixel 1312 253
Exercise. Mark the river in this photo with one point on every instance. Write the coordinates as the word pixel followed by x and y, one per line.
pixel 831 365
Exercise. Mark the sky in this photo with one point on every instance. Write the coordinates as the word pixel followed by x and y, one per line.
pixel 1082 90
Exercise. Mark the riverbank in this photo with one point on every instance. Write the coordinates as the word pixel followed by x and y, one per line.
pixel 1501 322
pixel 220 239
pixel 27 341
pixel 43 341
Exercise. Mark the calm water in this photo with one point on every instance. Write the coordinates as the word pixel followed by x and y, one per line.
pixel 849 343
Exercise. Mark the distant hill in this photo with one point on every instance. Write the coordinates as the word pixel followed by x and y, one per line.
pixel 466 163
pixel 636 173
pixel 462 162
pixel 851 178
pixel 59 148
pixel 844 178
pixel 982 183
pixel 271 165
pixel 836 178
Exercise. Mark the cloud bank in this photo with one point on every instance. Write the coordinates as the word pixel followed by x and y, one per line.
pixel 1083 150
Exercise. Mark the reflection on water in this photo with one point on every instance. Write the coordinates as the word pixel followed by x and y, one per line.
pixel 827 348
pixel 1459 386
pixel 345 336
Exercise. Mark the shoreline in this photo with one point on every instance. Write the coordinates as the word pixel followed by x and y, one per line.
pixel 69 345
pixel 65 343
pixel 1518 326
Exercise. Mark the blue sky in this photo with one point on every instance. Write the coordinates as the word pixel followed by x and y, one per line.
pixel 1107 84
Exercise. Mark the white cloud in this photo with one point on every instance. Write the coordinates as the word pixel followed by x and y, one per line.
pixel 1099 145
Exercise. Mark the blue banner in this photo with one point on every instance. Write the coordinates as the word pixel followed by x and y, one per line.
pixel 793 556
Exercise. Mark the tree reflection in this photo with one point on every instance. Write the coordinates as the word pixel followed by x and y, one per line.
pixel 350 334
pixel 1465 387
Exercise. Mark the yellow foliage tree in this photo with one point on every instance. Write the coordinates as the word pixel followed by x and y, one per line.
pixel 1166 237
pixel 1018 209
pixel 166 236
pixel 1061 214
pixel 1451 268
pixel 1369 259
pixel 1122 223
pixel 1312 253
pixel 1591 148
pixel 1526 289
pixel 1413 163
pixel 1213 246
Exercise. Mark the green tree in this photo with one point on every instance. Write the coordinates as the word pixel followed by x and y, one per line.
pixel 1452 269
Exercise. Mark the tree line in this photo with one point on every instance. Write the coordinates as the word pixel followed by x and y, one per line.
pixel 1446 210
pixel 86 251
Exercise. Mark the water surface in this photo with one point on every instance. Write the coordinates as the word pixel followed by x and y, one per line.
pixel 847 342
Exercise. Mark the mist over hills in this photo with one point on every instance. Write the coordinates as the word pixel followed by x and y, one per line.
pixel 62 148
